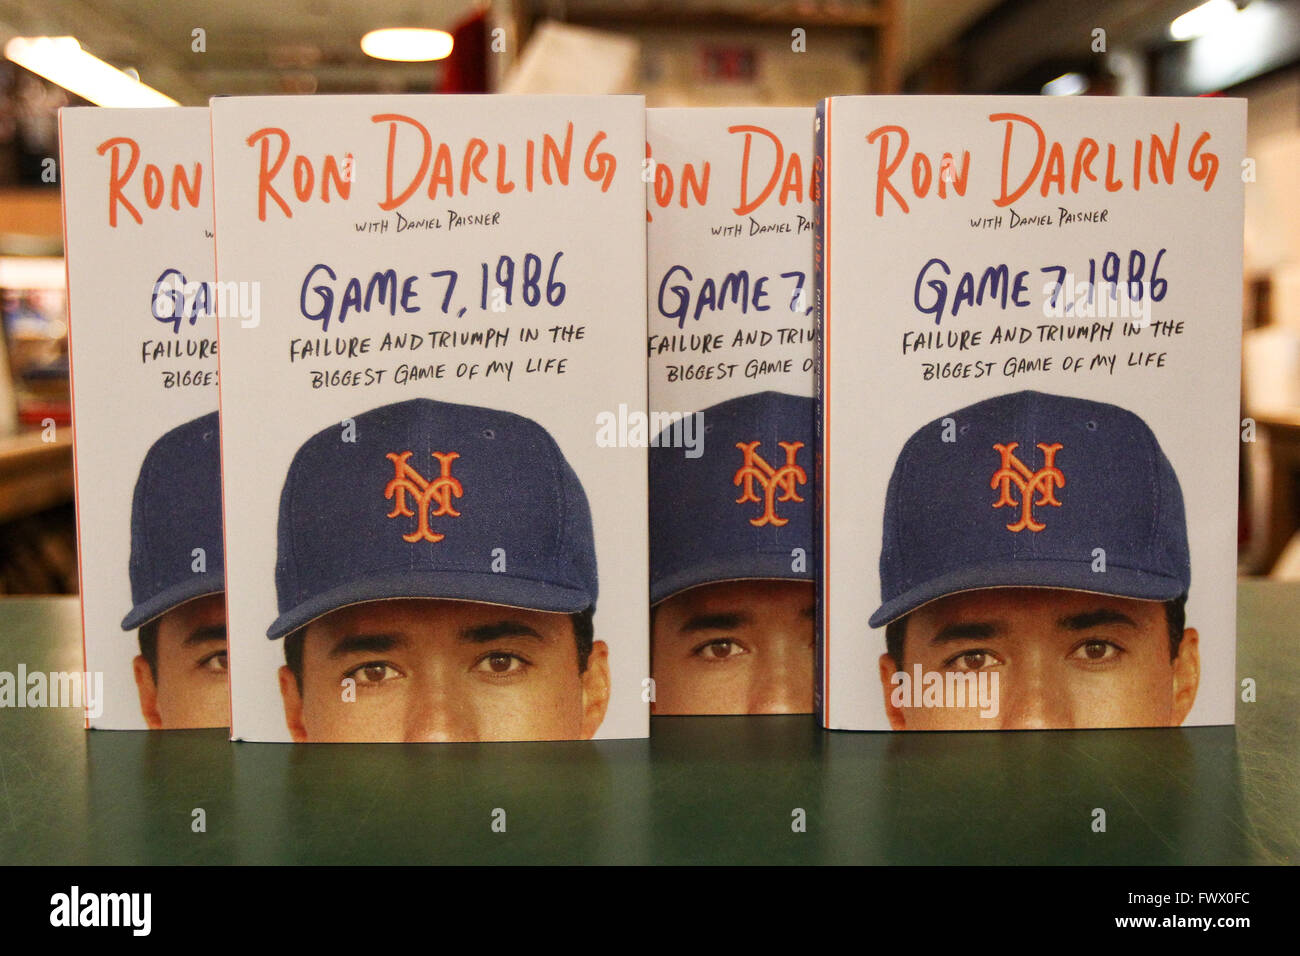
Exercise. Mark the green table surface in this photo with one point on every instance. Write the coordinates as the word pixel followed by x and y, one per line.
pixel 700 790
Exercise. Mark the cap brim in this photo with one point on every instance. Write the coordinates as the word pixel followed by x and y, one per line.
pixel 484 588
pixel 1068 575
pixel 211 582
pixel 753 566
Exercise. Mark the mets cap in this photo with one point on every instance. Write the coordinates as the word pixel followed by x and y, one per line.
pixel 1032 490
pixel 741 510
pixel 428 499
pixel 176 509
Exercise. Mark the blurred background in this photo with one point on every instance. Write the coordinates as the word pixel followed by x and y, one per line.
pixel 685 53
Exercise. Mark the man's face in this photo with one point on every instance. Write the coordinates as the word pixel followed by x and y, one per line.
pixel 413 670
pixel 1062 658
pixel 191 688
pixel 737 647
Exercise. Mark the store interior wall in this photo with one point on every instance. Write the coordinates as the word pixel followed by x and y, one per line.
pixel 700 58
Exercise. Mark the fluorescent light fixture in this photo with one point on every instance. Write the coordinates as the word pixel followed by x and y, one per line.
pixel 1208 17
pixel 1067 84
pixel 61 60
pixel 409 45
pixel 27 272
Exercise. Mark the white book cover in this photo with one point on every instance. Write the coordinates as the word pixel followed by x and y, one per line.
pixel 435 528
pixel 137 225
pixel 729 283
pixel 1029 328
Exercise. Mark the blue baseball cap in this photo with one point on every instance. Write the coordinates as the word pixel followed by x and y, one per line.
pixel 739 510
pixel 175 509
pixel 1028 487
pixel 432 500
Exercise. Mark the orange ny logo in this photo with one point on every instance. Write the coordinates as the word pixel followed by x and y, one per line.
pixel 407 481
pixel 785 479
pixel 1044 481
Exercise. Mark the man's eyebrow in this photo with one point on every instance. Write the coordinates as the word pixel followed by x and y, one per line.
pixel 715 622
pixel 481 633
pixel 205 635
pixel 966 631
pixel 1090 619
pixel 365 644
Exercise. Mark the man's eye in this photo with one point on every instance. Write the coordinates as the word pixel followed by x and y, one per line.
pixel 973 660
pixel 1096 651
pixel 374 672
pixel 214 662
pixel 720 649
pixel 500 662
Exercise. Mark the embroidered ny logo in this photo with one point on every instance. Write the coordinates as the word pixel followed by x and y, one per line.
pixel 407 481
pixel 1044 481
pixel 785 479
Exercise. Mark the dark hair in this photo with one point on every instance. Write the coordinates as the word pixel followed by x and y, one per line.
pixel 583 632
pixel 1175 619
pixel 149 646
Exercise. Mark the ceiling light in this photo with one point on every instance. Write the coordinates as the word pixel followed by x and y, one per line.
pixel 407 44
pixel 1204 19
pixel 1067 84
pixel 61 60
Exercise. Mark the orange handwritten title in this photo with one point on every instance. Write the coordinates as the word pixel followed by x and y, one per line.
pixel 765 172
pixel 415 164
pixel 127 193
pixel 1053 167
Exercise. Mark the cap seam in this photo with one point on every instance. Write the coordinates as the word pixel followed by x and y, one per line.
pixel 291 485
pixel 145 512
pixel 1153 455
pixel 561 496
pixel 898 523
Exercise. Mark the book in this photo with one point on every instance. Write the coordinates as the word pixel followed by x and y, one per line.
pixel 1029 315
pixel 435 529
pixel 729 246
pixel 137 227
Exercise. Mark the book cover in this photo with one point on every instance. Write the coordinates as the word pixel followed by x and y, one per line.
pixel 729 246
pixel 1029 334
pixel 137 225
pixel 436 529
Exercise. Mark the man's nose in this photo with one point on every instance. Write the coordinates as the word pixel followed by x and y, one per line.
pixel 783 680
pixel 438 714
pixel 1031 698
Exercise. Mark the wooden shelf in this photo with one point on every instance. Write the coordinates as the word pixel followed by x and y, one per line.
pixel 34 474
pixel 25 211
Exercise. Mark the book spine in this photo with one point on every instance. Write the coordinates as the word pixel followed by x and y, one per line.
pixel 72 399
pixel 818 191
